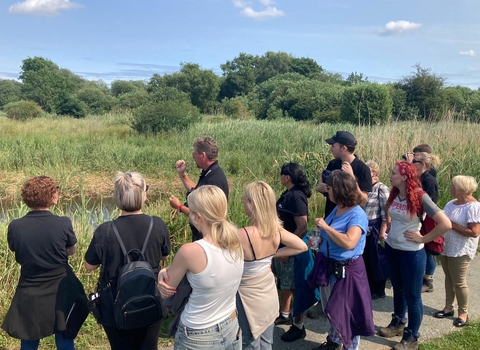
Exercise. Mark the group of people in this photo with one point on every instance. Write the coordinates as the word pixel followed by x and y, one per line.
pixel 235 284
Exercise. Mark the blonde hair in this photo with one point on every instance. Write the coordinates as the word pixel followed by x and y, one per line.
pixel 430 160
pixel 374 168
pixel 211 203
pixel 261 198
pixel 128 191
pixel 464 184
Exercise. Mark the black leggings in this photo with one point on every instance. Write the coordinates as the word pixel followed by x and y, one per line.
pixel 145 338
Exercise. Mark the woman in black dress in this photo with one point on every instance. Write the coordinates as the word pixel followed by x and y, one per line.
pixel 49 298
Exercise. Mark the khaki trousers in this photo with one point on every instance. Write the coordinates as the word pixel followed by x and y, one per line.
pixel 456 281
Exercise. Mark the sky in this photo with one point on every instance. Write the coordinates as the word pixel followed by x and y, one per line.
pixel 132 40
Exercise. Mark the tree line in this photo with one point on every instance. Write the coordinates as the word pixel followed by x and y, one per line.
pixel 274 85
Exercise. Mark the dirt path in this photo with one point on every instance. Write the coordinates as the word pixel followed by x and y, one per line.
pixel 382 310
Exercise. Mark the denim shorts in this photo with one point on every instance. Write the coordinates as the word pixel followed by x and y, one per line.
pixel 224 335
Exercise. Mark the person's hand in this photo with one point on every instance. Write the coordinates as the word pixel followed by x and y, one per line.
pixel 347 167
pixel 320 223
pixel 413 236
pixel 382 237
pixel 409 157
pixel 165 290
pixel 322 187
pixel 181 166
pixel 174 202
pixel 310 242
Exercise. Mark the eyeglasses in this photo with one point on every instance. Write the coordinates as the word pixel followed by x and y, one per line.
pixel 416 161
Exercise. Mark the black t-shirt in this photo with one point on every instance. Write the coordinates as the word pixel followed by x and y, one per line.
pixel 362 174
pixel 292 203
pixel 430 185
pixel 133 231
pixel 40 240
pixel 213 175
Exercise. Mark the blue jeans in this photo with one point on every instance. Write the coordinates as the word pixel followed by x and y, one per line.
pixel 61 342
pixel 406 270
pixel 431 265
pixel 263 342
pixel 224 335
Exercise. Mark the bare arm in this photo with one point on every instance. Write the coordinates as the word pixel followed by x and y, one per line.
pixel 71 250
pixel 346 240
pixel 472 230
pixel 89 267
pixel 293 245
pixel 302 225
pixel 180 167
pixel 443 225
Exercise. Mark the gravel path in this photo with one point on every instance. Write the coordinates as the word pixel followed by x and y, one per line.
pixel 382 311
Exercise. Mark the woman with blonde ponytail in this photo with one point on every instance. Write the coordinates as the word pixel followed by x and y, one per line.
pixel 213 266
pixel 258 300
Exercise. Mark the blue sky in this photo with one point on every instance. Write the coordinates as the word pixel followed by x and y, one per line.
pixel 132 40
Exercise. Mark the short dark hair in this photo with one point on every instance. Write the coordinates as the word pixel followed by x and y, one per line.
pixel 344 187
pixel 38 192
pixel 424 147
pixel 208 145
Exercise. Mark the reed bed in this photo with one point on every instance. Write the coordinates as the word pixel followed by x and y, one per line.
pixel 83 155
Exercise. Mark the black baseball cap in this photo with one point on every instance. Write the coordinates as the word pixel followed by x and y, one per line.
pixel 343 137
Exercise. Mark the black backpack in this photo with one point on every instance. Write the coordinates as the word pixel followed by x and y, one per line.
pixel 137 302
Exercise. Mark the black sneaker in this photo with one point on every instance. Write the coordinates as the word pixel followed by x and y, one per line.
pixel 294 333
pixel 329 345
pixel 283 320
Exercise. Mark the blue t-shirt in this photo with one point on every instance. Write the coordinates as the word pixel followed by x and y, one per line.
pixel 341 223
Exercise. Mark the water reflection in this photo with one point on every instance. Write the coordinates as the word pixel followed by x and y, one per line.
pixel 93 210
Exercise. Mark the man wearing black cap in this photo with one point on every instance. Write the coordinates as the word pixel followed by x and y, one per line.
pixel 342 146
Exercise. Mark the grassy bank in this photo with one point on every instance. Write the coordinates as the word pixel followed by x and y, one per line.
pixel 83 155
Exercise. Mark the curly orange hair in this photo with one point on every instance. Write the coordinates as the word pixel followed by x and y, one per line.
pixel 413 187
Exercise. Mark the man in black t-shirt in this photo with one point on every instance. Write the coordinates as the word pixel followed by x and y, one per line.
pixel 205 155
pixel 342 146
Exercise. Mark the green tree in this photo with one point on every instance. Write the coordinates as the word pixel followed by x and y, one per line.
pixel 424 91
pixel 305 66
pixel 97 97
pixel 239 76
pixel 119 87
pixel 22 110
pixel 201 85
pixel 10 91
pixel 368 103
pixel 164 116
pixel 69 104
pixel 355 78
pixel 44 82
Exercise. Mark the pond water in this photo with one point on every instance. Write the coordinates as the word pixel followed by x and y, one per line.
pixel 96 209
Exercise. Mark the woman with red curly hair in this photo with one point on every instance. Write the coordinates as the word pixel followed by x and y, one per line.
pixel 405 254
pixel 49 298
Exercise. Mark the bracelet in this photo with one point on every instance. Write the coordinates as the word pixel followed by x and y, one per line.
pixel 179 208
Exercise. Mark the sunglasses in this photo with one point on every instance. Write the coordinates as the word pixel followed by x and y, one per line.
pixel 146 188
pixel 416 161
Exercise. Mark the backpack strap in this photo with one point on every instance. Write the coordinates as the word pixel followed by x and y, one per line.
pixel 148 235
pixel 124 250
pixel 125 253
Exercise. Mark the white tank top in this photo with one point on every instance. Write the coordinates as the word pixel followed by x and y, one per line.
pixel 214 289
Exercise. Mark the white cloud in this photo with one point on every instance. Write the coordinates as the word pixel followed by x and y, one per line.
pixel 269 12
pixel 42 7
pixel 396 27
pixel 470 53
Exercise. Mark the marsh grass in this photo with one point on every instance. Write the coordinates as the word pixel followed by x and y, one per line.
pixel 82 155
